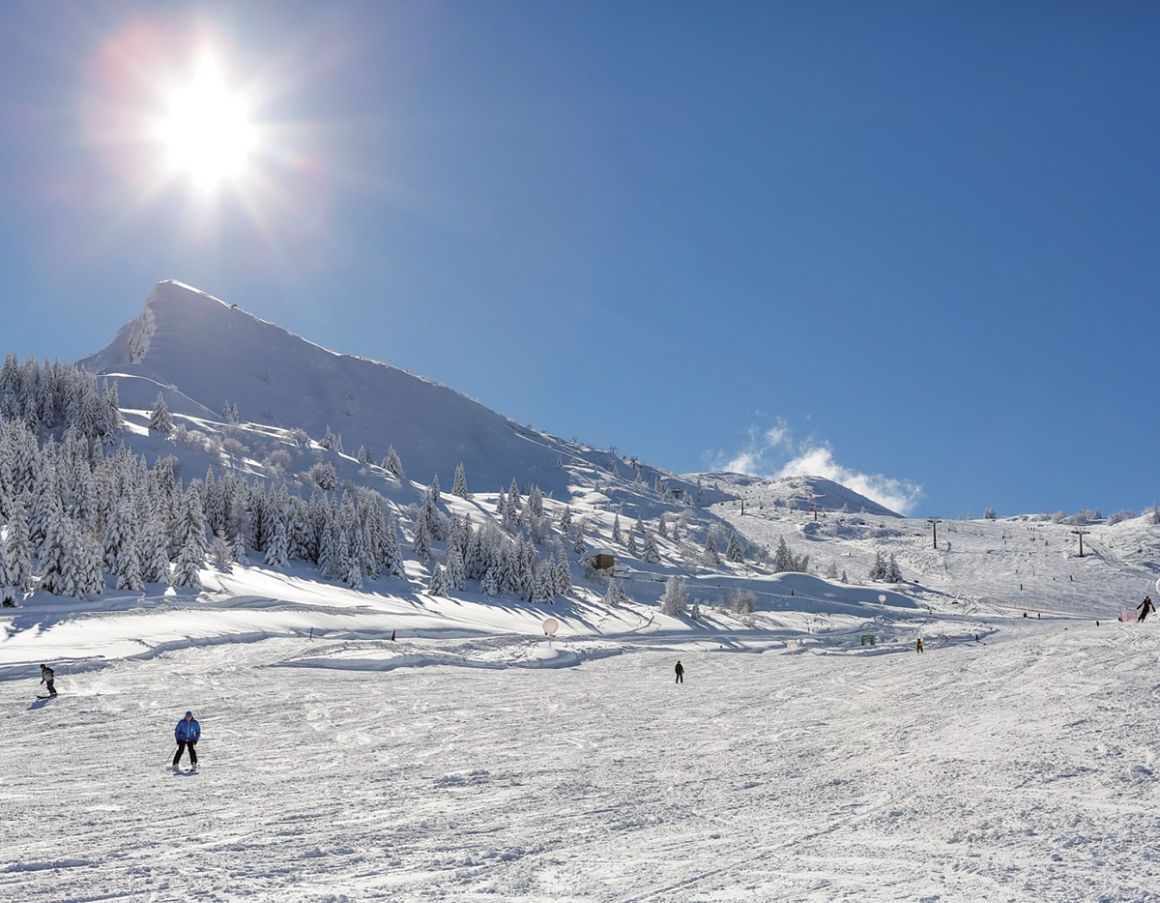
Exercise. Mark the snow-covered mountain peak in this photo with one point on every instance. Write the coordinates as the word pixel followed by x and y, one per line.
pixel 201 352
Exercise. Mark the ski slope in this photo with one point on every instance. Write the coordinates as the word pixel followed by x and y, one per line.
pixel 1019 563
pixel 386 744
pixel 1020 768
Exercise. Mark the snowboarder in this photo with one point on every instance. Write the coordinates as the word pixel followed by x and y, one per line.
pixel 918 645
pixel 47 675
pixel 1145 608
pixel 187 733
pixel 680 669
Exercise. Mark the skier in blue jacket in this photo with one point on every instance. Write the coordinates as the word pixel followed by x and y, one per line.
pixel 187 733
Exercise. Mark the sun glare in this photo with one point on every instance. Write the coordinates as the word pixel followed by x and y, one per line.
pixel 206 131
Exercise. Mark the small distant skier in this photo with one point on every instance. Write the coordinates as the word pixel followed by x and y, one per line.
pixel 187 733
pixel 1145 608
pixel 47 675
pixel 680 669
pixel 918 646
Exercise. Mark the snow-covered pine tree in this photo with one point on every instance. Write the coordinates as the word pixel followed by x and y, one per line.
pixel 18 551
pixel 893 572
pixel 563 576
pixel 536 500
pixel 389 553
pixel 527 554
pixel 710 557
pixel 489 584
pixel 127 567
pixel 651 553
pixel 392 464
pixel 459 537
pixel 121 528
pixel 362 456
pixel 352 569
pixel 332 551
pixel 191 535
pixel 360 552
pixel 421 544
pixel 187 568
pixel 733 551
pixel 782 558
pixel 278 548
pixel 878 571
pixel 509 515
pixel 543 583
pixel 459 486
pixel 302 545
pixel 219 551
pixel 432 517
pixel 332 442
pixel 580 546
pixel 504 571
pixel 566 519
pixel 91 567
pixel 663 526
pixel 45 499
pixel 237 547
pixel 614 595
pixel 742 602
pixel 437 586
pixel 154 551
pixel 617 537
pixel 514 496
pixel 7 593
pixel 630 546
pixel 456 574
pixel 54 553
pixel 160 421
pixel 675 600
pixel 370 541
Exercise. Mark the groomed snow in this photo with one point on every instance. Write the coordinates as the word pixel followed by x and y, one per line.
pixel 1019 768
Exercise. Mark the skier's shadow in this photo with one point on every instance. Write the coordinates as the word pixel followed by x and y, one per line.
pixel 40 703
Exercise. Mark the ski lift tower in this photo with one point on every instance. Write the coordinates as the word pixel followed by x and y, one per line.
pixel 934 522
pixel 1081 533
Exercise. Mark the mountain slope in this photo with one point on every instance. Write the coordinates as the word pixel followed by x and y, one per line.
pixel 800 493
pixel 209 352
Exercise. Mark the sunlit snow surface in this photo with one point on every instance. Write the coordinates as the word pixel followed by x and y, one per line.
pixel 475 760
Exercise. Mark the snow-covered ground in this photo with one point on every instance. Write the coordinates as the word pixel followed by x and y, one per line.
pixel 387 744
pixel 1019 563
pixel 504 766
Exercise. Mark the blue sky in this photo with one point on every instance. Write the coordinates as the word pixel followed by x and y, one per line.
pixel 907 244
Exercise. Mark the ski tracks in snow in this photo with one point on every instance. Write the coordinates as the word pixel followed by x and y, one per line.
pixel 1023 770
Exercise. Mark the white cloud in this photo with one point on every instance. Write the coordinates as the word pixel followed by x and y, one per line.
pixel 764 454
pixel 745 462
pixel 818 461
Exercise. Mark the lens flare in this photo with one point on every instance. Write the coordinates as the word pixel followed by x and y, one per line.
pixel 206 131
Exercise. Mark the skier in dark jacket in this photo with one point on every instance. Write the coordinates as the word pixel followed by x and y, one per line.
pixel 47 676
pixel 680 669
pixel 1145 608
pixel 187 733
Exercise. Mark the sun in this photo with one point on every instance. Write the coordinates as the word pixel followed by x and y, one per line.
pixel 206 130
